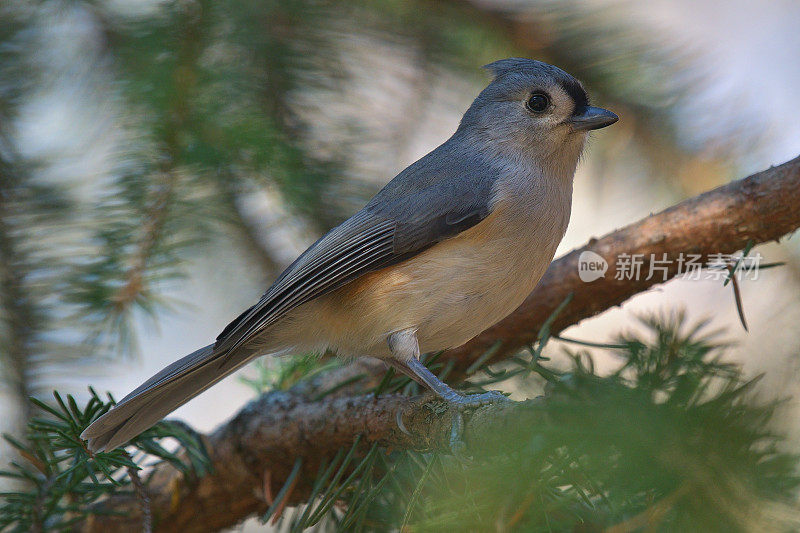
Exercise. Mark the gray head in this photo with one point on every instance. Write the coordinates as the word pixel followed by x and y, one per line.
pixel 537 108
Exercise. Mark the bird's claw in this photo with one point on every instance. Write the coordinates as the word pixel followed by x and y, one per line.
pixel 399 419
pixel 462 403
pixel 459 403
pixel 473 401
pixel 457 444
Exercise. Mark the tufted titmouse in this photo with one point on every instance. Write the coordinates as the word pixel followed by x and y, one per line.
pixel 451 245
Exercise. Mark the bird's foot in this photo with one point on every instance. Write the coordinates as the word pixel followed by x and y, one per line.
pixel 463 402
pixel 454 401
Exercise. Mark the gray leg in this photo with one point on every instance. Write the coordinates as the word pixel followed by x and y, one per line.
pixel 405 351
pixel 405 348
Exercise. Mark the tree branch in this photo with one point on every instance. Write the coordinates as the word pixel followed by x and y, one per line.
pixel 254 452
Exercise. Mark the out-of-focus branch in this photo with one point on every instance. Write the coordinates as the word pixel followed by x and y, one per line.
pixel 256 245
pixel 20 316
pixel 254 452
pixel 167 176
pixel 21 319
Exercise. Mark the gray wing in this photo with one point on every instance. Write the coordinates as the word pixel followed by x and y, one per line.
pixel 432 200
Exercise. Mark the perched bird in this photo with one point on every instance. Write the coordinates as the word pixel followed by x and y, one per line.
pixel 451 245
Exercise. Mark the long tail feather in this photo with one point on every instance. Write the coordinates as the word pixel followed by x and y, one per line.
pixel 163 393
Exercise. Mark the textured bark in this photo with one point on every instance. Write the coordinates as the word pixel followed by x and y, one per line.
pixel 253 453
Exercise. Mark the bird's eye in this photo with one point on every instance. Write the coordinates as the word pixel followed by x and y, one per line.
pixel 538 102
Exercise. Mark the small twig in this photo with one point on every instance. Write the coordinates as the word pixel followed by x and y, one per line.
pixel 415 496
pixel 268 487
pixel 737 296
pixel 154 221
pixel 286 491
pixel 144 499
pixel 38 522
pixel 521 510
pixel 652 515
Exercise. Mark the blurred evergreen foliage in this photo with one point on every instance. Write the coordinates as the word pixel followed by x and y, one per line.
pixel 206 98
pixel 64 479
pixel 674 440
pixel 203 93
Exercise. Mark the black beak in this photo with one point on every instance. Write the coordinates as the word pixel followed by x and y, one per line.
pixel 593 118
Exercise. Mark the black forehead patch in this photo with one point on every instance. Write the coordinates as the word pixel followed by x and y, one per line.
pixel 576 92
pixel 540 73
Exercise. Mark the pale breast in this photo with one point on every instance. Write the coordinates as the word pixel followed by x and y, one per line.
pixel 449 293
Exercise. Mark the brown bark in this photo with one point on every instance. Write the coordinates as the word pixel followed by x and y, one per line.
pixel 254 452
pixel 265 439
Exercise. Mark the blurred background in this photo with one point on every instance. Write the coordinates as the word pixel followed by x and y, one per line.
pixel 162 161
